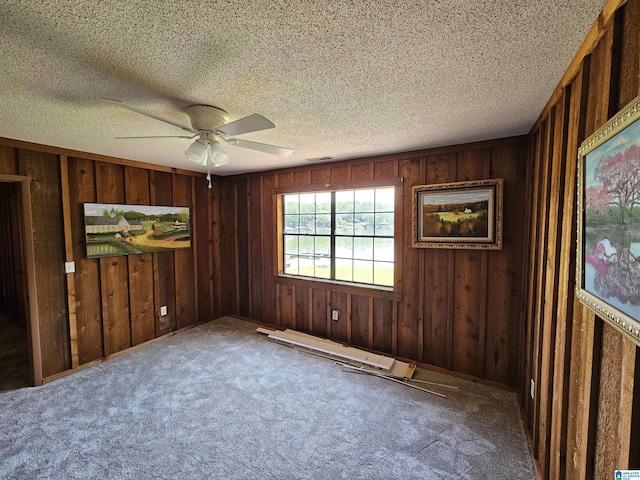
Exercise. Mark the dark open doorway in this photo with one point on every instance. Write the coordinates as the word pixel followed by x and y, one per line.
pixel 19 336
pixel 14 340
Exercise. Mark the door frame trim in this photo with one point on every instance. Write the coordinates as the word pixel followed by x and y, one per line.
pixel 33 323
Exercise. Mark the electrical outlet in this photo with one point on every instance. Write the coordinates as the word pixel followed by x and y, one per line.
pixel 533 388
pixel 163 310
pixel 334 314
pixel 69 267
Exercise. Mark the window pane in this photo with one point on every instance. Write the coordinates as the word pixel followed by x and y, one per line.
pixel 364 224
pixel 308 203
pixel 344 247
pixel 323 246
pixel 384 224
pixel 291 223
pixel 383 273
pixel 344 269
pixel 323 202
pixel 308 224
pixel 363 248
pixel 383 249
pixel 306 245
pixel 344 201
pixel 344 224
pixel 323 267
pixel 385 199
pixel 362 271
pixel 323 224
pixel 291 264
pixel 291 244
pixel 364 200
pixel 291 203
pixel 305 266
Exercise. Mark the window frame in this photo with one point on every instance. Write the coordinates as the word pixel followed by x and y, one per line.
pixel 376 291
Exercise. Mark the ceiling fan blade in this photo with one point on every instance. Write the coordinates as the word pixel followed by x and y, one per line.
pixel 252 123
pixel 163 136
pixel 118 103
pixel 261 147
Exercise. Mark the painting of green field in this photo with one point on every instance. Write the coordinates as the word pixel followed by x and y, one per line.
pixel 454 217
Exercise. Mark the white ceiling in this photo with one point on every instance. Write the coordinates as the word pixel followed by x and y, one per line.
pixel 340 78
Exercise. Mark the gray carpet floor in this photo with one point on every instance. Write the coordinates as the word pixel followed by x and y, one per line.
pixel 222 402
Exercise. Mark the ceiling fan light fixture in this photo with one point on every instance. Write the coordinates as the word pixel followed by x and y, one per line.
pixel 197 152
pixel 218 155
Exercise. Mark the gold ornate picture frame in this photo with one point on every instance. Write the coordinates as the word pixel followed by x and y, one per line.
pixel 608 230
pixel 458 215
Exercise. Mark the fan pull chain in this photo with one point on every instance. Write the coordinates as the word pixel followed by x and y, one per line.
pixel 207 158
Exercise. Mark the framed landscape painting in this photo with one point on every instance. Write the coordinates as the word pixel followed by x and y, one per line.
pixel 112 230
pixel 608 246
pixel 458 215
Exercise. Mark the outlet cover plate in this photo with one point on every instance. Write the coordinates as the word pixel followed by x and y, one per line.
pixel 334 314
pixel 163 310
pixel 69 267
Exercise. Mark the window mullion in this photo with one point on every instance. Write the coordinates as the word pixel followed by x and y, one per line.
pixel 332 248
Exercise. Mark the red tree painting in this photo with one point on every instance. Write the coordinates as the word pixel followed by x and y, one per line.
pixel 619 176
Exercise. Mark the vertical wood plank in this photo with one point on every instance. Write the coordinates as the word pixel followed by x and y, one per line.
pixel 339 327
pixel 68 247
pixel 242 236
pixel 87 276
pixel 256 277
pixel 46 206
pixel 8 160
pixel 409 316
pixel 319 317
pixel 268 237
pixel 439 281
pixel 183 259
pixel 360 321
pixel 136 184
pixel 113 270
pixel 469 315
pixel 204 250
pixel 216 260
pixel 163 262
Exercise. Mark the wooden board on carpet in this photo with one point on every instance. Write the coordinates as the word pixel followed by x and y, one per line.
pixel 344 352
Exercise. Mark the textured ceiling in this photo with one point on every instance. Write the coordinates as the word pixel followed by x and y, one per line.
pixel 338 78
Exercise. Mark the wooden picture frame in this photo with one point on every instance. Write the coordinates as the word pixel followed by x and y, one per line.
pixel 608 229
pixel 458 215
pixel 112 230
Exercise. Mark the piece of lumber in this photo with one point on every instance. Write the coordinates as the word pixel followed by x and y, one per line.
pixel 333 348
pixel 350 369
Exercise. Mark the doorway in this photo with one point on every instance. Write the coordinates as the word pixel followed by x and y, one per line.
pixel 19 339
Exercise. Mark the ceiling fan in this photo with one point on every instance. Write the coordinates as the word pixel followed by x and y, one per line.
pixel 209 125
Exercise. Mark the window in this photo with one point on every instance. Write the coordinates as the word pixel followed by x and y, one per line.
pixel 341 235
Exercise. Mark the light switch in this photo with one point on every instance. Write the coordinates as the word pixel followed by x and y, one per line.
pixel 69 267
pixel 163 310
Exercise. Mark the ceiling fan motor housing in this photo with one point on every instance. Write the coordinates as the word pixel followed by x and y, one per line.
pixel 206 117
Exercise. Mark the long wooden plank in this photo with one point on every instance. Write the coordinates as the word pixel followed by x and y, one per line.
pixel 202 208
pixel 183 259
pixel 163 262
pixel 439 282
pixel 333 348
pixel 46 209
pixel 87 285
pixel 68 253
pixel 141 301
pixel 566 281
pixel 469 315
pixel 409 316
pixel 114 279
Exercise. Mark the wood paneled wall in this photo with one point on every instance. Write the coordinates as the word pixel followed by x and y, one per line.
pixel 459 309
pixel 111 304
pixel 583 419
pixel 13 285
